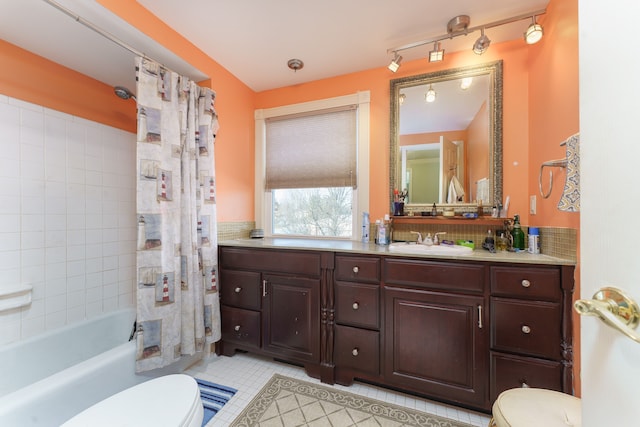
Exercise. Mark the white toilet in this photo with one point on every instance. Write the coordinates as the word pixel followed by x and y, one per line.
pixel 172 400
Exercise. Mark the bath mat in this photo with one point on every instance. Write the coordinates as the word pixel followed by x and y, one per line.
pixel 288 401
pixel 214 396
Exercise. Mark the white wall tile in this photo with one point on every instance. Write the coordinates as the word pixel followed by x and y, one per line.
pixel 66 188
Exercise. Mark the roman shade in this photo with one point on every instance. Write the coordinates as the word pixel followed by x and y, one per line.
pixel 312 150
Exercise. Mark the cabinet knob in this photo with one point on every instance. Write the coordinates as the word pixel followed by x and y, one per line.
pixel 356 269
pixel 526 329
pixel 237 328
pixel 237 290
pixel 355 306
pixel 355 351
pixel 526 283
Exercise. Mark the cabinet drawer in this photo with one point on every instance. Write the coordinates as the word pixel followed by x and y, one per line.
pixel 357 304
pixel 240 326
pixel 358 269
pixel 532 328
pixel 357 349
pixel 240 289
pixel 434 275
pixel 294 263
pixel 526 282
pixel 510 371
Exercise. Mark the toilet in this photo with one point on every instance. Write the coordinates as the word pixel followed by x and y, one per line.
pixel 171 400
pixel 536 407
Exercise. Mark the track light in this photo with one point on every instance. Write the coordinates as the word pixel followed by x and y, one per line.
pixel 534 32
pixel 482 44
pixel 395 63
pixel 401 98
pixel 430 96
pixel 460 26
pixel 437 54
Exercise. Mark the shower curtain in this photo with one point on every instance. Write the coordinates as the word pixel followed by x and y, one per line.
pixel 178 311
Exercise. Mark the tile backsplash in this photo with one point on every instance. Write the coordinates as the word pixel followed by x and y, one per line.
pixel 67 217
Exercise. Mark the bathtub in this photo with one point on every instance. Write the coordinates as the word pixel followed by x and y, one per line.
pixel 47 379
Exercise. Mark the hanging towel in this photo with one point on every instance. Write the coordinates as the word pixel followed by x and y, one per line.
pixel 482 191
pixel 570 199
pixel 456 192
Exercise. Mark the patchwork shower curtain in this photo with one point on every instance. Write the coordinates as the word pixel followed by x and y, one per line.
pixel 178 311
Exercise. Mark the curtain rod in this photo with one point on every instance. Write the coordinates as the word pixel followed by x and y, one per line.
pixel 102 32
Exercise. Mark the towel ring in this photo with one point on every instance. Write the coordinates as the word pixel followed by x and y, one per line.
pixel 560 163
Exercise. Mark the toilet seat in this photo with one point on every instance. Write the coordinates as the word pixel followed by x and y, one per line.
pixel 171 400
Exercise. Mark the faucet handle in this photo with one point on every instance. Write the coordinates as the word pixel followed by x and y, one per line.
pixel 436 239
pixel 419 235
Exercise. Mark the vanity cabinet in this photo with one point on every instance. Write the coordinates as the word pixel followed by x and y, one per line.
pixel 530 328
pixel 270 303
pixel 455 330
pixel 436 331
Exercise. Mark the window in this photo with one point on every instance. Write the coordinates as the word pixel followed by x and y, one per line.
pixel 312 167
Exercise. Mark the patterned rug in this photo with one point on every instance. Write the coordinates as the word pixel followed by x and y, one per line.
pixel 285 401
pixel 213 396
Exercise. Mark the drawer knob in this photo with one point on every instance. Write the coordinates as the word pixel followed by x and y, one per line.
pixel 526 283
pixel 355 306
pixel 355 351
pixel 356 269
pixel 524 384
pixel 238 289
pixel 237 328
pixel 526 329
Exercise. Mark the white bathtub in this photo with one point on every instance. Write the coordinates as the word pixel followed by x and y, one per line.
pixel 47 379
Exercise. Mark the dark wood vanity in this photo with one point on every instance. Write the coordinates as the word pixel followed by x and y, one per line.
pixel 455 330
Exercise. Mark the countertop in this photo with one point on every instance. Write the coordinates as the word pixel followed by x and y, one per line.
pixel 354 247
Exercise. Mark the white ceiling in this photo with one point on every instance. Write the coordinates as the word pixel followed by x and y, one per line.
pixel 254 39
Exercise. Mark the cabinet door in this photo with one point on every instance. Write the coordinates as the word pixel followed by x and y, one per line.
pixel 292 317
pixel 437 344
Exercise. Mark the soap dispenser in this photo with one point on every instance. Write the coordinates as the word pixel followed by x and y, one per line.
pixel 518 234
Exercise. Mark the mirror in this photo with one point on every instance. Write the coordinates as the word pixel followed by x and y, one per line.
pixel 448 151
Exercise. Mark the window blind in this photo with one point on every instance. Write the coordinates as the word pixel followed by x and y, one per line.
pixel 312 150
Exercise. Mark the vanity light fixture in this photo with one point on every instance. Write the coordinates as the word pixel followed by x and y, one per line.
pixel 430 96
pixel 437 54
pixel 459 26
pixel 482 44
pixel 534 32
pixel 395 63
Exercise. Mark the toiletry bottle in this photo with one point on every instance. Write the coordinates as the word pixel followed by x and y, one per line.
pixel 434 211
pixel 489 238
pixel 502 243
pixel 365 227
pixel 382 232
pixel 534 240
pixel 518 234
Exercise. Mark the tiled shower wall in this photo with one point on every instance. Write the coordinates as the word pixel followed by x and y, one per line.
pixel 67 217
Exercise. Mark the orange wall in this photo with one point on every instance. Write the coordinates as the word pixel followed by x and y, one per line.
pixel 554 110
pixel 37 80
pixel 554 116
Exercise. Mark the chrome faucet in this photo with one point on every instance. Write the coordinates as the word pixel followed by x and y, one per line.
pixel 419 236
pixel 436 239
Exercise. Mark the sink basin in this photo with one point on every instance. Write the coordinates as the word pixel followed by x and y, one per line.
pixel 413 248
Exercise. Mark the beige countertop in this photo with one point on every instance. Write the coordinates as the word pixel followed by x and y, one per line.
pixel 355 247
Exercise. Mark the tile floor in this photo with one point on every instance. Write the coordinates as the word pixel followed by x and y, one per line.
pixel 248 374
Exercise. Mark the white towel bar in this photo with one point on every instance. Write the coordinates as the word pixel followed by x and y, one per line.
pixel 560 163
